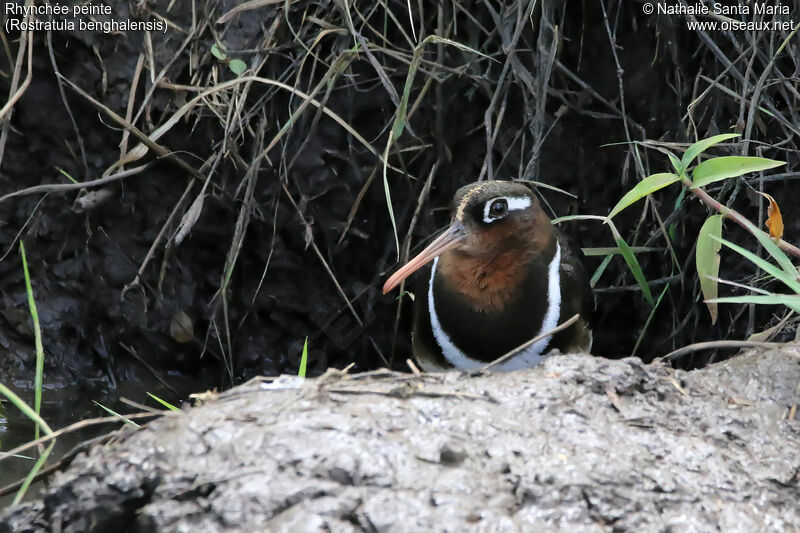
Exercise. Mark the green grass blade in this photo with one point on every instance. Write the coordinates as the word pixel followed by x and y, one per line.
pixel 636 270
pixel 33 415
pixel 116 414
pixel 456 44
pixel 701 146
pixel 633 263
pixel 671 231
pixel 647 186
pixel 742 286
pixel 676 163
pixel 773 249
pixel 17 456
pixel 399 123
pixel 405 294
pixel 388 195
pixel 395 133
pixel 679 199
pixel 599 271
pixel 400 116
pixel 613 250
pixel 789 300
pixel 303 360
pixel 32 474
pixel 25 408
pixel 163 402
pixel 649 319
pixel 37 335
pixel 542 185
pixel 764 265
pixel 569 218
pixel 721 168
pixel 66 174
pixel 707 261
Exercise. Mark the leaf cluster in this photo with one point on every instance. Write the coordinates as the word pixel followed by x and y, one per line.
pixel 709 240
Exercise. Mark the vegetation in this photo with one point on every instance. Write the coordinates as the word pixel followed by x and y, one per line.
pixel 709 238
pixel 15 400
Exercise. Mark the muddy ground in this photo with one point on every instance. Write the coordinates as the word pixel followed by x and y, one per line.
pixel 579 443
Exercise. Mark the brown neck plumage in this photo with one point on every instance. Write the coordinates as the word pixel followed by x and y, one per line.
pixel 489 282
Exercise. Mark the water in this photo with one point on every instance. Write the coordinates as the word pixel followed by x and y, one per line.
pixel 63 406
pixel 17 429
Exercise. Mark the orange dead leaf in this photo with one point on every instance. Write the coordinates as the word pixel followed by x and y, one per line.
pixel 774 220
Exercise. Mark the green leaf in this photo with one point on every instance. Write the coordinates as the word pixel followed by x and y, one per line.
pixel 66 174
pixel 237 66
pixel 676 164
pixel 701 146
pixel 218 52
pixel 163 402
pixel 721 168
pixel 636 269
pixel 772 249
pixel 32 474
pixel 117 415
pixel 387 193
pixel 788 279
pixel 612 250
pixel 678 201
pixel 649 319
pixel 400 117
pixel 789 300
pixel 599 271
pixel 633 263
pixel 303 360
pixel 406 293
pixel 707 260
pixel 25 408
pixel 647 186
pixel 37 337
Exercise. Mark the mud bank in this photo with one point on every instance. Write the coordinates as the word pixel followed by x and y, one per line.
pixel 580 442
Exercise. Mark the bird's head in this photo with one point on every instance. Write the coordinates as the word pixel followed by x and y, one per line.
pixel 488 218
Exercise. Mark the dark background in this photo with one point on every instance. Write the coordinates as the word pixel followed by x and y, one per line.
pixel 560 97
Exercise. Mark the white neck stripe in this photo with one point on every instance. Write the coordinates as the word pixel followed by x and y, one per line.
pixel 526 358
pixel 515 203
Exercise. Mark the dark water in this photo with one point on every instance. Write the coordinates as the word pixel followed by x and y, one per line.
pixel 66 405
pixel 16 429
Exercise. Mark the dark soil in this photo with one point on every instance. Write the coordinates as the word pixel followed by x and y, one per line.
pixel 579 443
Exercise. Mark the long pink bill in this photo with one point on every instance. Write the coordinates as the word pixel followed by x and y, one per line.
pixel 447 240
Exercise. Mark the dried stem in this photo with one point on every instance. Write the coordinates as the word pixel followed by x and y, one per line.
pixel 734 215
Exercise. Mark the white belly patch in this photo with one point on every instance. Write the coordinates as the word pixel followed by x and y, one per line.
pixel 530 356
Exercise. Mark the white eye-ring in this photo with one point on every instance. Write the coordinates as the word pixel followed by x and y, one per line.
pixel 497 208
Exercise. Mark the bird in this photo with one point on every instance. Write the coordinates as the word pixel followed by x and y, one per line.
pixel 500 275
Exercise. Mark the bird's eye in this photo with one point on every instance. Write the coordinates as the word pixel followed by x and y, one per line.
pixel 498 208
